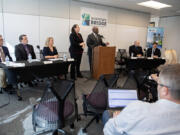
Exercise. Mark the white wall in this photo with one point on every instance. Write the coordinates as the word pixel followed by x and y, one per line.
pixel 171 27
pixel 42 18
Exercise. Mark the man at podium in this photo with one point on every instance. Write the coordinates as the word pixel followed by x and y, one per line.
pixel 94 39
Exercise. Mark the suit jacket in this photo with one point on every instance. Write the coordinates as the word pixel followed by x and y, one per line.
pixel 75 41
pixel 157 52
pixel 135 50
pixel 21 54
pixel 6 53
pixel 92 42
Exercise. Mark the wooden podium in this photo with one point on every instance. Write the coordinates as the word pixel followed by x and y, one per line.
pixel 103 61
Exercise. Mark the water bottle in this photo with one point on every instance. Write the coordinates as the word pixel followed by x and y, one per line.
pixel 64 57
pixel 7 60
pixel 132 55
pixel 29 58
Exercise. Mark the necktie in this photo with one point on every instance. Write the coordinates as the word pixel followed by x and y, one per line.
pixel 27 50
pixel 2 55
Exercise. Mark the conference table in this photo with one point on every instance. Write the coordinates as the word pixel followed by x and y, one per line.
pixel 143 63
pixel 26 71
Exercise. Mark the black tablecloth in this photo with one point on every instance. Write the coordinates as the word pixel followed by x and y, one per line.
pixel 39 69
pixel 144 63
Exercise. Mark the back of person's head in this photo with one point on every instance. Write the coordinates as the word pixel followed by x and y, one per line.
pixel 171 56
pixel 170 77
pixel 48 40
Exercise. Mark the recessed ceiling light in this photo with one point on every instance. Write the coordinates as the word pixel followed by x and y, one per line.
pixel 154 4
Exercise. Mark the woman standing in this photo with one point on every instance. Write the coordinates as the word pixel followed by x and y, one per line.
pixel 76 50
pixel 49 51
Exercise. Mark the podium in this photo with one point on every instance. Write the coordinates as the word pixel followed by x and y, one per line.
pixel 103 61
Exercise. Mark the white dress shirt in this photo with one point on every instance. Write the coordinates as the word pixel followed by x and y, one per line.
pixel 140 118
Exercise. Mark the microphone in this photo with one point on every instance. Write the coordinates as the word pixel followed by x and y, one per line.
pixel 101 36
pixel 38 47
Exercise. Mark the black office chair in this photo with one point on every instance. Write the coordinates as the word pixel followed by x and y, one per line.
pixel 147 89
pixel 56 109
pixel 95 103
pixel 121 59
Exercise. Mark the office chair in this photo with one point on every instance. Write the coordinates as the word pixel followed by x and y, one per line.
pixel 56 109
pixel 121 59
pixel 95 103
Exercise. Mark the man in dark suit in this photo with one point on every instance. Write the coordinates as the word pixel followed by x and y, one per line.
pixel 94 39
pixel 154 51
pixel 135 50
pixel 4 52
pixel 23 50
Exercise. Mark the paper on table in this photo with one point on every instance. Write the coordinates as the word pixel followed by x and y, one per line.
pixel 13 64
pixel 47 62
pixel 70 59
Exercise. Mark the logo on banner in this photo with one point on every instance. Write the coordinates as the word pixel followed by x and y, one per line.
pixel 87 20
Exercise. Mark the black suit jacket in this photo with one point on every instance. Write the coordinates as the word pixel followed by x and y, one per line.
pixel 92 42
pixel 157 52
pixel 6 53
pixel 135 50
pixel 75 41
pixel 21 54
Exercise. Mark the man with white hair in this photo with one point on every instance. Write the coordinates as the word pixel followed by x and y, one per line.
pixel 160 118
pixel 135 50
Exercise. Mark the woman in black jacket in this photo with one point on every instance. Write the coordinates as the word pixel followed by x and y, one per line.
pixel 76 50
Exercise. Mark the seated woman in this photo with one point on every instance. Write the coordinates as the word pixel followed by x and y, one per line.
pixel 49 51
pixel 171 58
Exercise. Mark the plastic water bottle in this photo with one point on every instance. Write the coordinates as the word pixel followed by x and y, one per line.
pixel 7 60
pixel 64 57
pixel 29 58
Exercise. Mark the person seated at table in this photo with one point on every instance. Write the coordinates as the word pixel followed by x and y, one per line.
pixel 50 51
pixel 154 51
pixel 4 52
pixel 170 57
pixel 159 118
pixel 135 50
pixel 23 49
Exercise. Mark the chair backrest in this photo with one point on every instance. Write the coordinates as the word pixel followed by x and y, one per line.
pixel 98 97
pixel 121 55
pixel 57 106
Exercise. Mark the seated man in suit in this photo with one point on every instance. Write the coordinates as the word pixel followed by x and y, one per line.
pixel 154 51
pixel 4 52
pixel 94 39
pixel 135 50
pixel 23 50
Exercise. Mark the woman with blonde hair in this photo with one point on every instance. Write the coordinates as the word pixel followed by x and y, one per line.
pixel 49 51
pixel 171 58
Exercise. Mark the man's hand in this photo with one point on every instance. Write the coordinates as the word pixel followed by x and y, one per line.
pixel 107 43
pixel 139 55
pixel 116 113
pixel 155 56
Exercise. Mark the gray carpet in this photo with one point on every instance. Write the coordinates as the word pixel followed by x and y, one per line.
pixel 16 118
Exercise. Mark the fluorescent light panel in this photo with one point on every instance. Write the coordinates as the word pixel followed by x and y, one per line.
pixel 154 4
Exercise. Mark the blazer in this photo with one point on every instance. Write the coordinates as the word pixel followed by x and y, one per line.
pixel 157 52
pixel 75 41
pixel 6 53
pixel 48 52
pixel 135 50
pixel 92 42
pixel 21 54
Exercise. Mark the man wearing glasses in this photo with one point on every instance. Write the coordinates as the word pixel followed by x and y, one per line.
pixel 160 118
pixel 4 52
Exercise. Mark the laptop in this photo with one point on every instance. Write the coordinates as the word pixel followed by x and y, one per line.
pixel 120 98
